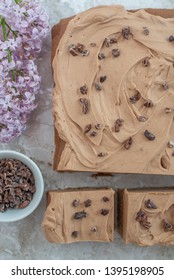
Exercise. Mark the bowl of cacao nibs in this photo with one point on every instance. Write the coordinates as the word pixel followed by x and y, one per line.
pixel 21 186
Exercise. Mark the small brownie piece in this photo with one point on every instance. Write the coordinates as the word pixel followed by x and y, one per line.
pixel 79 215
pixel 146 216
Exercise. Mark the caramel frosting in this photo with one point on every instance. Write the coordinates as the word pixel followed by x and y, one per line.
pixel 114 92
pixel 148 217
pixel 79 215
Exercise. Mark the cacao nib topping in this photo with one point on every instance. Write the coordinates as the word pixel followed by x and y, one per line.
pixel 94 229
pixel 105 199
pixel 80 215
pixel 17 184
pixel 73 50
pixel 146 61
pixel 148 104
pixel 104 212
pixel 87 128
pixel 103 78
pixel 78 49
pixel 126 32
pixel 145 30
pixel 93 45
pixel 149 204
pixel 93 134
pixel 107 42
pixel 171 38
pixel 116 52
pixel 88 202
pixel 150 136
pixel 75 234
pixel 141 217
pixel 118 124
pixel 167 226
pixel 98 86
pixel 113 40
pixel 98 126
pixel 142 118
pixel 76 202
pixel 101 56
pixel 128 143
pixel 102 154
pixel 84 89
pixel 133 99
pixel 168 110
pixel 85 53
pixel 85 105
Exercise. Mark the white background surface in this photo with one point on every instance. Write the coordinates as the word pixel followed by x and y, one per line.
pixel 24 239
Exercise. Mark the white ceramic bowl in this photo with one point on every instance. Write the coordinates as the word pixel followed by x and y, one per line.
pixel 11 215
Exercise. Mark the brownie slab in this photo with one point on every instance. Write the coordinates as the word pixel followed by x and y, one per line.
pixel 113 83
pixel 146 216
pixel 79 215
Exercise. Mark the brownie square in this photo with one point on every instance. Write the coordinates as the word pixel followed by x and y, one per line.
pixel 79 215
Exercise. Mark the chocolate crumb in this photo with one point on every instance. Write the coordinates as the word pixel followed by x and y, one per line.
pixel 103 78
pixel 75 234
pixel 101 56
pixel 145 30
pixel 88 202
pixel 150 205
pixel 171 38
pixel 98 86
pixel 80 215
pixel 116 52
pixel 104 212
pixel 166 225
pixel 76 202
pixel 128 143
pixel 148 104
pixel 105 199
pixel 150 136
pixel 87 128
pixel 84 89
pixel 126 32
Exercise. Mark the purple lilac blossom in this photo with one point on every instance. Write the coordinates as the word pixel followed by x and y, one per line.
pixel 26 26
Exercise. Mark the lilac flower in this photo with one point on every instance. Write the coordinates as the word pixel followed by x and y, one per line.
pixel 24 24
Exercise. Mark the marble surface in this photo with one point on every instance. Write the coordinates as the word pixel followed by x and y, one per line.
pixel 24 239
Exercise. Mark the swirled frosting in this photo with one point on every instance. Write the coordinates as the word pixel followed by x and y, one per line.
pixel 114 92
pixel 74 215
pixel 148 217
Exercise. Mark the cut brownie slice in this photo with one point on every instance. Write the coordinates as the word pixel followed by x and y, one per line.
pixel 146 216
pixel 79 215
